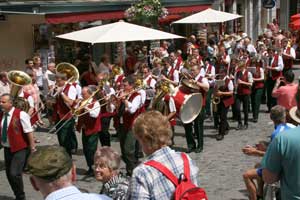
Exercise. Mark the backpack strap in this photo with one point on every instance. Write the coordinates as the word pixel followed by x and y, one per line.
pixel 164 170
pixel 186 166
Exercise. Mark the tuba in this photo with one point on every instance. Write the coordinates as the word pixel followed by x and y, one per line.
pixel 69 70
pixel 18 79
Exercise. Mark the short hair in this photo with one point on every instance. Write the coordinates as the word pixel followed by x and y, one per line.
pixel 91 89
pixel 10 97
pixel 109 156
pixel 166 60
pixel 27 60
pixel 289 76
pixel 35 58
pixel 153 128
pixel 130 79
pixel 278 114
pixel 3 74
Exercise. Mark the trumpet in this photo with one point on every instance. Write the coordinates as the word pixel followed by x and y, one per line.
pixel 106 103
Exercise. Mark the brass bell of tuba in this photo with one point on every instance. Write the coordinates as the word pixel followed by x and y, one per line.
pixel 69 70
pixel 18 79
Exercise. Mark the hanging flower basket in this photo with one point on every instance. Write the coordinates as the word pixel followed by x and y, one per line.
pixel 146 12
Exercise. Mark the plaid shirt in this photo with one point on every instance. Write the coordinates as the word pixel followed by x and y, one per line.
pixel 149 183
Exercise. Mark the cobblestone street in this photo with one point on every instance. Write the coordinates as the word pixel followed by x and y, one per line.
pixel 221 164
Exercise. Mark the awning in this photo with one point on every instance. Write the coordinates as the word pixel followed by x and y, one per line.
pixel 83 17
pixel 92 16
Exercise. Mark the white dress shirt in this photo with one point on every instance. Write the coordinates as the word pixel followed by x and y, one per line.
pixel 95 110
pixel 175 74
pixel 204 80
pixel 280 65
pixel 25 122
pixel 29 99
pixel 4 88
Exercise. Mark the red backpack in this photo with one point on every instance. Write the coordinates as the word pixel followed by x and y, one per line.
pixel 184 188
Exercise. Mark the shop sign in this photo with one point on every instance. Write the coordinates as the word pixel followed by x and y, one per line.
pixel 268 4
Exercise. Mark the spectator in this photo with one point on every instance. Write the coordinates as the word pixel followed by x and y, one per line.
pixel 107 164
pixel 4 84
pixel 281 162
pixel 278 116
pixel 28 64
pixel 154 133
pixel 285 94
pixel 53 173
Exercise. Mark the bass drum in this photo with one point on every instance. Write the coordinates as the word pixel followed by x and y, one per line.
pixel 188 105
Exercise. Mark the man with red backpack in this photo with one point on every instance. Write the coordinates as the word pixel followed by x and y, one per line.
pixel 165 174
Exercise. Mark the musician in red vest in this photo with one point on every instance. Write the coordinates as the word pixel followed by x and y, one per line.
pixel 197 124
pixel 164 103
pixel 288 54
pixel 257 89
pixel 243 83
pixel 274 71
pixel 149 82
pixel 64 101
pixel 17 139
pixel 106 111
pixel 225 92
pixel 176 61
pixel 169 72
pixel 132 101
pixel 210 73
pixel 90 124
pixel 223 60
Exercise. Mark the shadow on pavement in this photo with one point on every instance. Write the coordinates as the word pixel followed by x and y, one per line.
pixel 6 198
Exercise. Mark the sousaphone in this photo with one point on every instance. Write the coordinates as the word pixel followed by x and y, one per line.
pixel 69 70
pixel 18 79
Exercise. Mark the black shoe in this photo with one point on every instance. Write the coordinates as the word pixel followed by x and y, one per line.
pixel 245 127
pixel 198 150
pixel 255 120
pixel 190 150
pixel 226 131
pixel 74 151
pixel 220 137
pixel 239 127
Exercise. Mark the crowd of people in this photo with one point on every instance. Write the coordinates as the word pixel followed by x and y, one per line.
pixel 144 96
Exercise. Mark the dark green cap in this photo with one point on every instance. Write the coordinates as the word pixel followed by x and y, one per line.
pixel 49 163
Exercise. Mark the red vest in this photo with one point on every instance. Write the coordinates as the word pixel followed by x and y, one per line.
pixel 171 74
pixel 89 124
pixel 203 92
pixel 119 80
pixel 258 84
pixel 288 63
pixel 62 108
pixel 227 100
pixel 243 89
pixel 167 100
pixel 275 74
pixel 129 118
pixel 16 136
pixel 149 82
pixel 208 71
pixel 179 61
pixel 33 118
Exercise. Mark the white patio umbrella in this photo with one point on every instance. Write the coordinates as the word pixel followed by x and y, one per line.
pixel 117 32
pixel 208 16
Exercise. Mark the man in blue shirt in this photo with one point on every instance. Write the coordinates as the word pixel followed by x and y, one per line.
pixel 282 162
pixel 53 173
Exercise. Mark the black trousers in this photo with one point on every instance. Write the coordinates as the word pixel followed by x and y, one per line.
pixel 197 125
pixel 104 135
pixel 222 118
pixel 244 99
pixel 14 165
pixel 270 83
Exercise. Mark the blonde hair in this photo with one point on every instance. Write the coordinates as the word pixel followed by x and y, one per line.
pixel 154 129
pixel 109 157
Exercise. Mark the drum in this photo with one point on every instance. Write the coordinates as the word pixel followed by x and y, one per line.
pixel 188 105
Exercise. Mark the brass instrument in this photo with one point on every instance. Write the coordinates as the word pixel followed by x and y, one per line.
pixel 18 79
pixel 215 100
pixel 166 81
pixel 69 70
